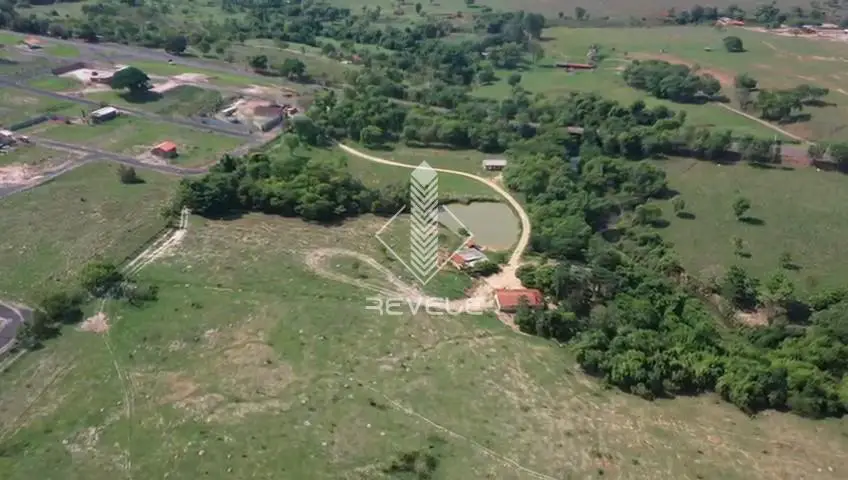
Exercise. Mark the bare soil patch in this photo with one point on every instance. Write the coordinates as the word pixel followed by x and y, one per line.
pixel 757 318
pixel 97 323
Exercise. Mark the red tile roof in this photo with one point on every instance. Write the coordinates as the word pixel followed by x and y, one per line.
pixel 167 146
pixel 510 299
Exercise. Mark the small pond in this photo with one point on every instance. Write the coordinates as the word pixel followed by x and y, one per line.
pixel 494 225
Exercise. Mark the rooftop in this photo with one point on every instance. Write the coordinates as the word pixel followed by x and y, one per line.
pixel 510 299
pixel 495 162
pixel 167 146
pixel 104 111
pixel 468 256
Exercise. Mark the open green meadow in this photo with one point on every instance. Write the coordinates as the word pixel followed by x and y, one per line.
pixel 789 214
pixel 135 136
pixel 51 232
pixel 53 83
pixel 776 61
pixel 215 77
pixel 17 105
pixel 317 64
pixel 185 100
pixel 251 365
pixel 33 155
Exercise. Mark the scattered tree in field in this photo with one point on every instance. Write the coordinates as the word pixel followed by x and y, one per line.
pixel 740 206
pixel 418 8
pixel 776 293
pixel 204 46
pixel 259 62
pixel 679 205
pixel 733 44
pixel 514 79
pixel 580 13
pixel 293 68
pixel 128 175
pixel 786 262
pixel 176 44
pixel 743 80
pixel 739 288
pixel 739 247
pixel 371 136
pixel 100 278
pixel 816 151
pixel 647 215
pixel 534 23
pixel 131 78
pixel 486 75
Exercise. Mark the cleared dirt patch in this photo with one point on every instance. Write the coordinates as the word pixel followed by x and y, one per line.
pixel 98 323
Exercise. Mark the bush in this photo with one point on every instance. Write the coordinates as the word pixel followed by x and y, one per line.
pixel 733 44
pixel 127 175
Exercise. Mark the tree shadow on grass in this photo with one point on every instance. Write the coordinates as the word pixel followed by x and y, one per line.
pixel 141 97
pixel 660 223
pixel 770 166
pixel 686 215
pixel 752 221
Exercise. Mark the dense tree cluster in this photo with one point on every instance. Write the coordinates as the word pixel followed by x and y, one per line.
pixel 674 82
pixel 784 105
pixel 768 14
pixel 632 323
pixel 289 185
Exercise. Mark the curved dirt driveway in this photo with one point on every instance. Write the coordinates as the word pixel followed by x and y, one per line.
pixel 523 240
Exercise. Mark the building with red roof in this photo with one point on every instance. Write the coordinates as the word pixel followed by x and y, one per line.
pixel 165 149
pixel 509 300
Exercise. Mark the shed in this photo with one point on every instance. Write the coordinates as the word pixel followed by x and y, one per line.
pixel 32 42
pixel 467 258
pixel 104 114
pixel 494 164
pixel 509 300
pixel 573 130
pixel 165 149
pixel 6 137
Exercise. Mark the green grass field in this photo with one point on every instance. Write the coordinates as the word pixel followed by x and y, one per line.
pixel 317 64
pixel 215 77
pixel 252 366
pixel 54 83
pixel 50 232
pixel 134 136
pixel 778 62
pixel 796 218
pixel 32 155
pixel 185 100
pixel 17 105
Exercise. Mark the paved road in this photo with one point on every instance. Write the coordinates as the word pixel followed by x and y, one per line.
pixel 10 319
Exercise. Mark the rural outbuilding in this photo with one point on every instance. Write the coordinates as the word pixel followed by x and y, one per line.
pixel 104 114
pixel 494 164
pixel 509 300
pixel 165 150
pixel 467 258
pixel 32 43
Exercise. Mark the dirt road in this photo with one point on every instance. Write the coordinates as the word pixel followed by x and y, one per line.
pixel 523 240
